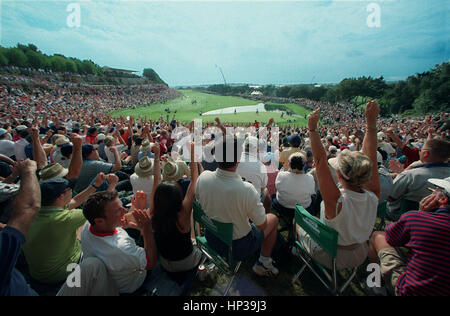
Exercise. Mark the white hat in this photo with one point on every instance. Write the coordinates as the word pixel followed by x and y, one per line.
pixel 101 136
pixel 144 168
pixel 442 183
pixel 174 170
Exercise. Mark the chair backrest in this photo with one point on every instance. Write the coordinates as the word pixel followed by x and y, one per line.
pixel 223 231
pixel 325 236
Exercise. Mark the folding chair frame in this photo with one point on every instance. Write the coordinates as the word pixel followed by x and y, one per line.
pixel 228 267
pixel 308 261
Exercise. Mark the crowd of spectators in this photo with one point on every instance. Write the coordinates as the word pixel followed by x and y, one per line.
pixel 115 195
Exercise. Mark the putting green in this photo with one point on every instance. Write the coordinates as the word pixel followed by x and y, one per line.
pixel 191 103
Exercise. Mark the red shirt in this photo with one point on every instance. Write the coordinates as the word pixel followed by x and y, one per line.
pixel 412 154
pixel 90 139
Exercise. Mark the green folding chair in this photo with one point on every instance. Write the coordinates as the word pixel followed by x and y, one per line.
pixel 327 238
pixel 223 231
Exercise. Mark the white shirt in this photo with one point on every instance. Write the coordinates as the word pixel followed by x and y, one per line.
pixel 224 197
pixel 110 154
pixel 253 171
pixel 19 149
pixel 125 261
pixel 294 188
pixel 387 148
pixel 7 148
pixel 355 221
pixel 142 184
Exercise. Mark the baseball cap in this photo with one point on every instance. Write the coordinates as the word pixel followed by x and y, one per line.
pixel 52 189
pixel 21 128
pixel 2 131
pixel 295 140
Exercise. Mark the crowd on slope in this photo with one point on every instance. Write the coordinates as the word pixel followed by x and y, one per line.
pixel 115 195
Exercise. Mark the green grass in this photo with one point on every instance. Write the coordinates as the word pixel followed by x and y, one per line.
pixel 186 111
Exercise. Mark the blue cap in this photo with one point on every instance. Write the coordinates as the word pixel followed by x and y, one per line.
pixel 401 159
pixel 295 140
pixel 52 189
pixel 2 131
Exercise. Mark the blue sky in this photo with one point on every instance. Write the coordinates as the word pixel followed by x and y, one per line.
pixel 260 42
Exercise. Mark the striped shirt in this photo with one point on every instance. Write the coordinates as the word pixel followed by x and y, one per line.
pixel 427 237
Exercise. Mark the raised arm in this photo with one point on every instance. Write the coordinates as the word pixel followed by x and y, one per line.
pixel 28 201
pixel 38 151
pixel 390 132
pixel 82 197
pixel 184 217
pixel 77 159
pixel 328 189
pixel 370 145
pixel 156 174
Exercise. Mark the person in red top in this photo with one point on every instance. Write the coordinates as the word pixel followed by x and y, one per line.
pixel 411 153
pixel 256 124
pixel 91 136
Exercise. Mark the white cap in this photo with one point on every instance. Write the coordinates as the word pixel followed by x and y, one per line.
pixel 101 136
pixel 442 183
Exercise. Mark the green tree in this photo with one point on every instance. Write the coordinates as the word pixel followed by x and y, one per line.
pixel 70 66
pixel 35 60
pixel 3 59
pixel 57 63
pixel 151 75
pixel 16 57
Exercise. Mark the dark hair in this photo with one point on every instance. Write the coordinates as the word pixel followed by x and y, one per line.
pixel 297 162
pixel 23 133
pixel 383 153
pixel 439 149
pixel 167 203
pixel 95 205
pixel 138 141
pixel 221 155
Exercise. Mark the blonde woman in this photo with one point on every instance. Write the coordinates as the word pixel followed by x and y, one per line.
pixel 352 210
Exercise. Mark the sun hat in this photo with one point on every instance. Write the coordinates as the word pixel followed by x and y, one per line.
pixel 173 170
pixel 146 146
pixel 442 183
pixel 144 168
pixel 51 171
pixel 61 141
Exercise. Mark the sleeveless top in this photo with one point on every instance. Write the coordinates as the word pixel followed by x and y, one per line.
pixel 355 221
pixel 173 245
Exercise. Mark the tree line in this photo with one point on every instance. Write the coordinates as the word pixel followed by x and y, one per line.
pixel 28 56
pixel 418 94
